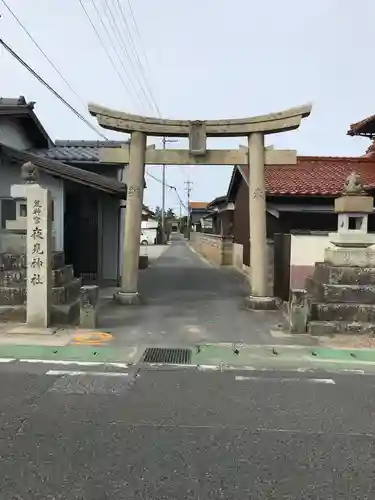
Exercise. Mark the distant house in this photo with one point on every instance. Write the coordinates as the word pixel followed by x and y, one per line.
pixel 86 193
pixel 197 212
pixel 300 197
pixel 221 215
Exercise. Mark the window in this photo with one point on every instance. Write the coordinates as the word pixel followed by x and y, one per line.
pixel 8 210
pixel 12 209
pixel 355 223
pixel 23 210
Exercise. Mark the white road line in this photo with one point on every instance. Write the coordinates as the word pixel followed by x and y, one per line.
pixel 72 362
pixel 275 379
pixel 7 360
pixel 72 373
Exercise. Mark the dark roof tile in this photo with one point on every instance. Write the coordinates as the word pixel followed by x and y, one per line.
pixel 77 151
pixel 78 175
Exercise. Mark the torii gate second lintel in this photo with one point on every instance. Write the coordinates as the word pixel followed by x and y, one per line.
pixel 256 156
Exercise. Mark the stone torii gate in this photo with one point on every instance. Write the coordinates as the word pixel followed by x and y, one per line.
pixel 256 156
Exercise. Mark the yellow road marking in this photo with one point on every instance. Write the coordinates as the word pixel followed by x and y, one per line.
pixel 92 338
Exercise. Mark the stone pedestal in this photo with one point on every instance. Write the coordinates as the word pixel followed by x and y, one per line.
pixel 298 311
pixel 39 246
pixel 262 303
pixel 341 291
pixel 89 302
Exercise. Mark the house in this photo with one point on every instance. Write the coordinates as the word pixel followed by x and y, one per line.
pixel 197 211
pixel 300 197
pixel 221 215
pixel 86 193
pixel 149 227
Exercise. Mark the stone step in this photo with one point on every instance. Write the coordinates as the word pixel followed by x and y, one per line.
pixel 62 314
pixel 12 296
pixel 343 275
pixel 66 293
pixel 13 314
pixel 62 275
pixel 9 261
pixel 343 327
pixel 58 260
pixel 65 314
pixel 17 277
pixel 343 312
pixel 352 294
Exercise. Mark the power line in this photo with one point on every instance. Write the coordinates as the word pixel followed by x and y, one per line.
pixel 114 47
pixel 117 32
pixel 137 31
pixel 41 50
pixel 130 38
pixel 56 94
pixel 172 188
pixel 105 48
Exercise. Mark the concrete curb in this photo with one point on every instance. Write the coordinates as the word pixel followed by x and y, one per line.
pixel 202 258
pixel 227 356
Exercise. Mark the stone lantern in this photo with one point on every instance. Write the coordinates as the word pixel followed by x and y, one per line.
pixel 352 209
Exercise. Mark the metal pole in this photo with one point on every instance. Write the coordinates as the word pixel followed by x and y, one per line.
pixel 163 200
pixel 188 191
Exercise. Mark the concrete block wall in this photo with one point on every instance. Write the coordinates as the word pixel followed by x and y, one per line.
pixel 216 248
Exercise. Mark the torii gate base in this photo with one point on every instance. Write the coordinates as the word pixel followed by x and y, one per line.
pixel 256 156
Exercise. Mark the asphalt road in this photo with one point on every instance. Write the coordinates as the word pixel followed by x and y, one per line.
pixel 189 301
pixel 183 434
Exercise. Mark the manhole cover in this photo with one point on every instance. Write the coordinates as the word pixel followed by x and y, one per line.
pixel 163 355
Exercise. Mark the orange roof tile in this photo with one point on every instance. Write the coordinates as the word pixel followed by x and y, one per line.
pixel 316 175
pixel 198 204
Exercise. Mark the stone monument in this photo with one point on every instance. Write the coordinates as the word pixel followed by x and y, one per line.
pixel 341 291
pixel 36 285
pixel 38 249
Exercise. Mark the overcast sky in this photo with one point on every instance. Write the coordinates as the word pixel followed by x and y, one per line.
pixel 204 59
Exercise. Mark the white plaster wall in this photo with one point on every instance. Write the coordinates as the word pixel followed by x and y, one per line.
pixel 12 134
pixel 306 249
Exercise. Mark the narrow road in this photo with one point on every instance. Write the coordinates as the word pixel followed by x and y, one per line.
pixel 178 434
pixel 188 301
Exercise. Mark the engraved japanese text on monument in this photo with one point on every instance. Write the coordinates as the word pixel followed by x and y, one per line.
pixel 36 263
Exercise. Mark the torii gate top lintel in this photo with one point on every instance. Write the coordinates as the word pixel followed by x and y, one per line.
pixel 272 123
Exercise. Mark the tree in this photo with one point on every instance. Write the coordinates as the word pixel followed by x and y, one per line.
pixel 170 214
pixel 158 213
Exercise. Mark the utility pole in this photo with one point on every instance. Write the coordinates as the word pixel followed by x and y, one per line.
pixel 164 141
pixel 188 190
pixel 163 200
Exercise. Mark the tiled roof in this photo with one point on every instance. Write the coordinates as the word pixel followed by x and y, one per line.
pixel 15 101
pixel 370 151
pixel 198 205
pixel 19 108
pixel 77 151
pixel 217 201
pixel 365 127
pixel 316 175
pixel 63 171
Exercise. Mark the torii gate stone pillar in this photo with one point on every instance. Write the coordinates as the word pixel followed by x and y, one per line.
pixel 256 156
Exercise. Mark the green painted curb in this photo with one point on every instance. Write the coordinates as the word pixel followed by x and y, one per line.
pixel 67 353
pixel 209 354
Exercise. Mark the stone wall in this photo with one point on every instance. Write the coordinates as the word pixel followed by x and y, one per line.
pixel 216 248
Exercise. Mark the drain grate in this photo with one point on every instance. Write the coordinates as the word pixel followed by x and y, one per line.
pixel 163 355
